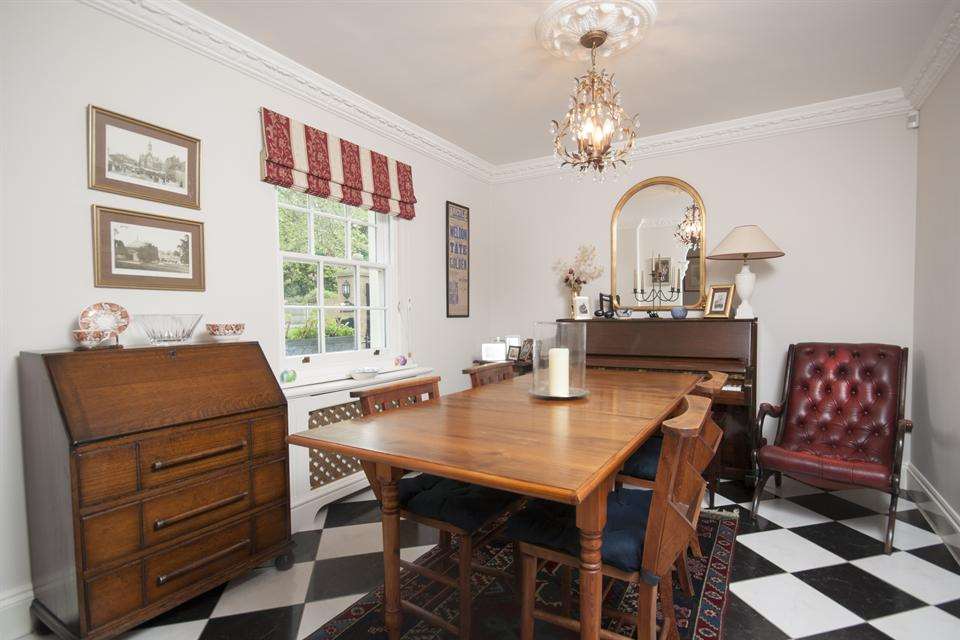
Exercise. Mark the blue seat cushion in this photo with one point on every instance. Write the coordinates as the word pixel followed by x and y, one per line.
pixel 554 525
pixel 461 504
pixel 645 460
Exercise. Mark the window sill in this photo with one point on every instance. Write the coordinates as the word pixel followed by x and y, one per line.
pixel 306 386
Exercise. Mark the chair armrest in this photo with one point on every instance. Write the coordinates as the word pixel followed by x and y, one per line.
pixel 767 409
pixel 905 425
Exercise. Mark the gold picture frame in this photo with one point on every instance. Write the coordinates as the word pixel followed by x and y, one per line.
pixel 133 250
pixel 719 301
pixel 121 159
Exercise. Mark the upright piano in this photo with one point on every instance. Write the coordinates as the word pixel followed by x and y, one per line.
pixel 694 345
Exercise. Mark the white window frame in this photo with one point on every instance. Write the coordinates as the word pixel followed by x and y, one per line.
pixel 385 225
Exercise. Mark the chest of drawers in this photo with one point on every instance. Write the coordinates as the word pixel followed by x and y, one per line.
pixel 152 475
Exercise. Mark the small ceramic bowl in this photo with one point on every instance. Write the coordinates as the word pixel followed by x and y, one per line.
pixel 89 338
pixel 225 329
pixel 364 373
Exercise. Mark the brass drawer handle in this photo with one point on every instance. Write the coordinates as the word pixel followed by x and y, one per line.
pixel 193 566
pixel 159 465
pixel 160 523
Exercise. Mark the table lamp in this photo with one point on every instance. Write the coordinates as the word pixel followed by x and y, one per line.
pixel 747 242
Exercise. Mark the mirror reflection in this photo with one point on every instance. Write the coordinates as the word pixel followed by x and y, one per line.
pixel 657 243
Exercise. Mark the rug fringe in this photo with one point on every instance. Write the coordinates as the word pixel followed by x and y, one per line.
pixel 719 514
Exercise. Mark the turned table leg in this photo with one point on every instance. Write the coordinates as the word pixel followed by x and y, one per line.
pixel 390 508
pixel 591 518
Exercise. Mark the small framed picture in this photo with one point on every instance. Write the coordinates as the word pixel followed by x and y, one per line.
pixel 138 159
pixel 513 352
pixel 143 251
pixel 526 351
pixel 719 301
pixel 581 308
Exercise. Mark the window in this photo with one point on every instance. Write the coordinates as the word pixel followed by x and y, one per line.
pixel 335 266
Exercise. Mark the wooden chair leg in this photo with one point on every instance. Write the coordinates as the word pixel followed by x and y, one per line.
pixel 466 559
pixel 566 589
pixel 669 629
pixel 761 482
pixel 683 575
pixel 646 612
pixel 444 541
pixel 778 479
pixel 695 547
pixel 891 522
pixel 528 595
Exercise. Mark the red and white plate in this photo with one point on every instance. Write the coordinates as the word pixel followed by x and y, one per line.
pixel 105 316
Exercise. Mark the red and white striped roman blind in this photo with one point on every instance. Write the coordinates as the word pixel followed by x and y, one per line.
pixel 300 157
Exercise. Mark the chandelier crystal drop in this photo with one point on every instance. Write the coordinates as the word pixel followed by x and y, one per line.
pixel 595 133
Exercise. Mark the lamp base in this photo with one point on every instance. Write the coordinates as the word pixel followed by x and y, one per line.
pixel 745 281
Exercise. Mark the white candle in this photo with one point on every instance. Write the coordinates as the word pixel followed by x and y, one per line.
pixel 559 364
pixel 636 279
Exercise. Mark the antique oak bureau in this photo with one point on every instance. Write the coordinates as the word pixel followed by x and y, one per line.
pixel 152 475
pixel 695 345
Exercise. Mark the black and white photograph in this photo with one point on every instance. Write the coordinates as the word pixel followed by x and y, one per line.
pixel 142 160
pixel 133 250
pixel 719 301
pixel 149 251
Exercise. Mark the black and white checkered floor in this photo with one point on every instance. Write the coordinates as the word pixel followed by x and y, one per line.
pixel 810 566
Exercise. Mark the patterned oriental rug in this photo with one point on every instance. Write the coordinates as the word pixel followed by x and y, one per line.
pixel 496 610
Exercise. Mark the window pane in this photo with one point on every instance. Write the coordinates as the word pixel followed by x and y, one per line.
pixel 371 287
pixel 301 330
pixel 299 282
pixel 339 289
pixel 339 328
pixel 330 206
pixel 289 196
pixel 363 242
pixel 372 328
pixel 364 215
pixel 330 237
pixel 293 230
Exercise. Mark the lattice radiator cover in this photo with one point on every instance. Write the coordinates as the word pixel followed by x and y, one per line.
pixel 327 466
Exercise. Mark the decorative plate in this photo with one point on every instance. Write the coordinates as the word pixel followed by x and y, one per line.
pixel 224 329
pixel 105 316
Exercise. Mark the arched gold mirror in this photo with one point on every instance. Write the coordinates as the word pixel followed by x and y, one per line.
pixel 658 235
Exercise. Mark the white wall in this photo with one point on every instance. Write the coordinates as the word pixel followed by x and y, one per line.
pixel 839 201
pixel 59 57
pixel 936 437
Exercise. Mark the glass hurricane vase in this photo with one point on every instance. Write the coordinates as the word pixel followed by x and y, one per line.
pixel 559 360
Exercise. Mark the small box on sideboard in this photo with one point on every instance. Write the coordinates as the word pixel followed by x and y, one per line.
pixel 152 475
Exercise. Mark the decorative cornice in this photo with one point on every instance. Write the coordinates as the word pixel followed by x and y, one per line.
pixel 198 32
pixel 939 52
pixel 194 30
pixel 821 114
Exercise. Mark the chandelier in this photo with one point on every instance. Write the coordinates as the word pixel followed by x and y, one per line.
pixel 595 133
pixel 689 230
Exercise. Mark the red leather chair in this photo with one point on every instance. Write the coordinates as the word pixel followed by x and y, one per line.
pixel 841 420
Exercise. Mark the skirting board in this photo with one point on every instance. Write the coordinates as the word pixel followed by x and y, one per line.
pixel 15 612
pixel 303 514
pixel 942 517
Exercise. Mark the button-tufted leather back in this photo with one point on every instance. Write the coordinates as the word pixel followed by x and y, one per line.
pixel 843 401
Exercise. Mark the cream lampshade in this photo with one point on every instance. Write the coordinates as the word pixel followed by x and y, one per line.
pixel 747 242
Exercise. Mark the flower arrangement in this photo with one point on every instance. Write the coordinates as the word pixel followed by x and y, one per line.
pixel 581 270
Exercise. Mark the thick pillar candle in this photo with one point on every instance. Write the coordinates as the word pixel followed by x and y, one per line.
pixel 559 358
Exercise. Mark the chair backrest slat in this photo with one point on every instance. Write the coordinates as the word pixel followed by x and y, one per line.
pixel 490 373
pixel 396 395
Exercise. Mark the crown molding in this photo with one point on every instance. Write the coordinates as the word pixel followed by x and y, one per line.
pixel 939 52
pixel 198 32
pixel 814 116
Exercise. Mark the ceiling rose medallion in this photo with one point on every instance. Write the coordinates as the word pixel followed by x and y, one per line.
pixel 595 133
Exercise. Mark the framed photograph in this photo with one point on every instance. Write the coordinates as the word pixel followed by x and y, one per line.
pixel 142 251
pixel 457 240
pixel 581 308
pixel 719 301
pixel 141 160
pixel 513 352
pixel 526 351
pixel 660 270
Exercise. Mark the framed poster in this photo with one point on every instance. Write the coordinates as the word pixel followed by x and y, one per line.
pixel 138 159
pixel 142 251
pixel 458 260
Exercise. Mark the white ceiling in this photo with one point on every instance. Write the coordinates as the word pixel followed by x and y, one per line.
pixel 473 72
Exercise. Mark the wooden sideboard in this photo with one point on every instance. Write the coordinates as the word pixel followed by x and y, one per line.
pixel 696 345
pixel 152 475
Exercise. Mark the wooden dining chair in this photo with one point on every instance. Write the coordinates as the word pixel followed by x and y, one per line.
pixel 646 531
pixel 490 373
pixel 460 511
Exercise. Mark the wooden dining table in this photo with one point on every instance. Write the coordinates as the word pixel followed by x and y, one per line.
pixel 500 436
